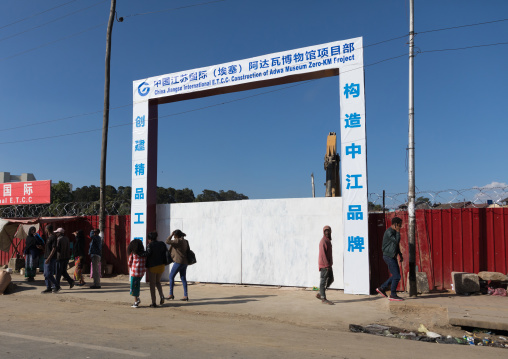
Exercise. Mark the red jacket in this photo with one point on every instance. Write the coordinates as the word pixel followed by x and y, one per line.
pixel 325 253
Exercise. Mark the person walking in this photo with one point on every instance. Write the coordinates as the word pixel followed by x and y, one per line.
pixel 50 261
pixel 95 253
pixel 137 267
pixel 155 262
pixel 391 248
pixel 325 263
pixel 79 257
pixel 63 254
pixel 178 250
pixel 33 247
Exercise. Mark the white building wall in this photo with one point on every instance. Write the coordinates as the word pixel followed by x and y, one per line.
pixel 270 242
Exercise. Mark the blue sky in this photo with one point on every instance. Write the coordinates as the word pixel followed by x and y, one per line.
pixel 263 146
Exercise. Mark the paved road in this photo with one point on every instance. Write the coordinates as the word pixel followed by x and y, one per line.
pixel 69 324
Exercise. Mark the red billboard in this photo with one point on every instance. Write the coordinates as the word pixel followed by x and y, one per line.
pixel 34 192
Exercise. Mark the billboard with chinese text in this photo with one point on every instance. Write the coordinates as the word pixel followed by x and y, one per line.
pixel 34 192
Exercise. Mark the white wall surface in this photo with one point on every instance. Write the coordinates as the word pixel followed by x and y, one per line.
pixel 271 242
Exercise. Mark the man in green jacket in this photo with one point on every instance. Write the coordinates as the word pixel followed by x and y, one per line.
pixel 391 249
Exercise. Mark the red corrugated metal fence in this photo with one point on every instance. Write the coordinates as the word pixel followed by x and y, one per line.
pixel 460 240
pixel 470 240
pixel 116 239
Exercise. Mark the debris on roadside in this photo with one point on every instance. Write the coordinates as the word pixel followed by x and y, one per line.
pixel 477 338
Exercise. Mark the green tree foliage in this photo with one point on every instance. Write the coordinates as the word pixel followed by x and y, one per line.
pixel 165 195
pixel 185 195
pixel 118 201
pixel 171 195
pixel 124 194
pixel 423 200
pixel 111 193
pixel 87 194
pixel 375 207
pixel 211 196
pixel 61 193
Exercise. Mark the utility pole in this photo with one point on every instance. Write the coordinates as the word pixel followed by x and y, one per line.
pixel 411 149
pixel 105 122
pixel 313 188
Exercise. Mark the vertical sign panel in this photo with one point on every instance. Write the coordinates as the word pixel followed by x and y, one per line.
pixel 139 166
pixel 354 175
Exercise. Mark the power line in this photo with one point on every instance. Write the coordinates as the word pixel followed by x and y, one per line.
pixel 231 101
pixel 464 48
pixel 173 9
pixel 52 21
pixel 461 26
pixel 93 27
pixel 130 104
pixel 61 119
pixel 226 102
pixel 34 15
pixel 365 46
pixel 192 110
pixel 51 42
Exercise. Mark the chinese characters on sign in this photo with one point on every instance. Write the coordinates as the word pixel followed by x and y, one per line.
pixel 35 192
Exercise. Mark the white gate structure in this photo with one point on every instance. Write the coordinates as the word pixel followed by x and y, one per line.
pixel 343 58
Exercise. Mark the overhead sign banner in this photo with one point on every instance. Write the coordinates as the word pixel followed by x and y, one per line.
pixel 34 192
pixel 305 60
pixel 343 58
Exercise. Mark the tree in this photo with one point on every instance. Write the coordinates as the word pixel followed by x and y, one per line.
pixel 375 207
pixel 207 196
pixel 164 195
pixel 111 193
pixel 61 192
pixel 423 200
pixel 124 194
pixel 86 194
pixel 231 196
pixel 185 195
pixel 211 196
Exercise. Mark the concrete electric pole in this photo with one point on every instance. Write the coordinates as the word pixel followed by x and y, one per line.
pixel 411 150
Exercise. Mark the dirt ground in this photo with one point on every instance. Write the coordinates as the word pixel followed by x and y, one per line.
pixel 218 322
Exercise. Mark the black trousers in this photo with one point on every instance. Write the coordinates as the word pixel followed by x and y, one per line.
pixel 61 270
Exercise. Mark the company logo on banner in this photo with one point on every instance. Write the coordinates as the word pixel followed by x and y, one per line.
pixel 143 89
pixel 340 57
pixel 35 192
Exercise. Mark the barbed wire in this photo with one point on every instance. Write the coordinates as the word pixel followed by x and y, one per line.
pixel 64 209
pixel 476 197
